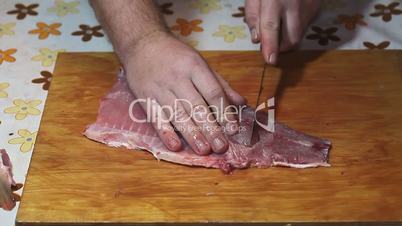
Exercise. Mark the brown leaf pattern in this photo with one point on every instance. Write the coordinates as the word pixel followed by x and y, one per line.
pixel 87 32
pixel 381 45
pixel 323 35
pixel 45 79
pixel 14 188
pixel 241 12
pixel 22 10
pixel 386 11
pixel 165 8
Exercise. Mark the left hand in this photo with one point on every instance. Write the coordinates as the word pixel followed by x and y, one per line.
pixel 278 24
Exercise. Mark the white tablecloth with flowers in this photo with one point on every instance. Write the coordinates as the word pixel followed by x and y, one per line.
pixel 32 33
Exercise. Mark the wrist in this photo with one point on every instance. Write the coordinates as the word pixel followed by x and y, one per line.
pixel 125 52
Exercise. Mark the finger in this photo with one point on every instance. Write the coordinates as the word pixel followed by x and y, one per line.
pixel 269 29
pixel 163 127
pixel 233 96
pixel 159 122
pixel 202 116
pixel 291 30
pixel 252 18
pixel 209 87
pixel 184 124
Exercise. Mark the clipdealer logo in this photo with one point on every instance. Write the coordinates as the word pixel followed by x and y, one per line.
pixel 183 110
pixel 270 124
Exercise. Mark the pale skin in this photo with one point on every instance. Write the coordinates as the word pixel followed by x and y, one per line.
pixel 161 67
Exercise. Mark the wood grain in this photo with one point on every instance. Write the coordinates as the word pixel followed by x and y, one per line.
pixel 353 98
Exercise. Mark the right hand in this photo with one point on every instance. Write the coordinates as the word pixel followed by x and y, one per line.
pixel 162 68
pixel 278 24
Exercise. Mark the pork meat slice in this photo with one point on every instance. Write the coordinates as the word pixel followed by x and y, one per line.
pixel 284 147
pixel 7 201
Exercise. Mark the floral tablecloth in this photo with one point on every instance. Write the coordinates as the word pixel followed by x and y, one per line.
pixel 32 33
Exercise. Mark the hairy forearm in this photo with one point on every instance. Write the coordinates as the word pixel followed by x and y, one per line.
pixel 128 22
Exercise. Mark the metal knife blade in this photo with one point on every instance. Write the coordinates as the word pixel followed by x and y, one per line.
pixel 261 86
pixel 250 134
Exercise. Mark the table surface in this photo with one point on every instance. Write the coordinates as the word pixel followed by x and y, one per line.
pixel 350 97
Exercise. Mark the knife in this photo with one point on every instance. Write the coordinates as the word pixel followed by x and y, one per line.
pixel 261 87
pixel 250 133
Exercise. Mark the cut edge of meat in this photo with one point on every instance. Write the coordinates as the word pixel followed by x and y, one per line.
pixel 301 166
pixel 131 140
pixel 96 133
pixel 7 201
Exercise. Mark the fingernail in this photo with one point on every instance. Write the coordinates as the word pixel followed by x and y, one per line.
pixel 171 141
pixel 173 144
pixel 203 147
pixel 272 58
pixel 219 144
pixel 254 34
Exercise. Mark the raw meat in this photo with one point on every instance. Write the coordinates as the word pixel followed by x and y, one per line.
pixel 284 147
pixel 7 201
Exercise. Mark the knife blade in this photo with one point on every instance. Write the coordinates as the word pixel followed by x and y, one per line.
pixel 249 135
pixel 261 86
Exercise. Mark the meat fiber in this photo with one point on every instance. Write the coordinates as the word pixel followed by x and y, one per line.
pixel 284 147
pixel 7 200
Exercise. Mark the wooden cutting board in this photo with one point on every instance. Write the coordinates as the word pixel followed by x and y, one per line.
pixel 353 98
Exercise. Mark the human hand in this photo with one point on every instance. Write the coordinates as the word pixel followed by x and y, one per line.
pixel 278 24
pixel 162 68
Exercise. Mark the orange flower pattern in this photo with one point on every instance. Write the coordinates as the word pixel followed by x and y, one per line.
pixel 350 22
pixel 187 27
pixel 6 55
pixel 45 30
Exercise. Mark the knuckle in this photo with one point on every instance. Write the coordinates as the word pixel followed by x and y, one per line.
pixel 251 19
pixel 194 65
pixel 193 60
pixel 180 114
pixel 215 94
pixel 199 113
pixel 183 64
pixel 270 25
pixel 143 93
